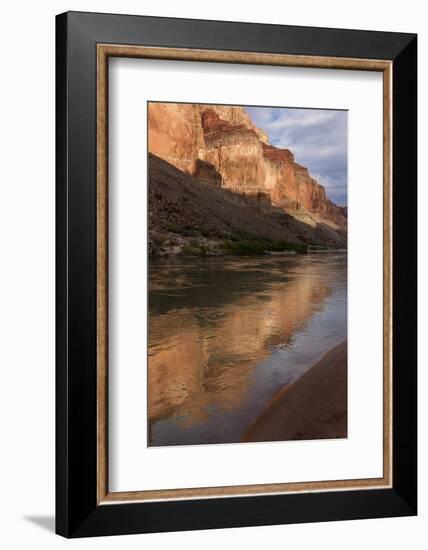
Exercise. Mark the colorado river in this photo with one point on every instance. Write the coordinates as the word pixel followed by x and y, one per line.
pixel 226 333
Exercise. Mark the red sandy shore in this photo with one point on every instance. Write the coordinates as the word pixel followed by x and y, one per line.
pixel 312 407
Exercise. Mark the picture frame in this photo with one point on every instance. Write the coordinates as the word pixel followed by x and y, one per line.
pixel 84 44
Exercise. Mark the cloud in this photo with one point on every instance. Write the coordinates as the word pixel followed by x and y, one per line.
pixel 318 139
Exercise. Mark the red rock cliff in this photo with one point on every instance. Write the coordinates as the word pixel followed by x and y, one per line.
pixel 220 144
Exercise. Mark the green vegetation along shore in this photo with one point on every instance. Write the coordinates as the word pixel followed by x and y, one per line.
pixel 191 217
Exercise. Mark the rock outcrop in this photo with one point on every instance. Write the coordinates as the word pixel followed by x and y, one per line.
pixel 176 134
pixel 221 145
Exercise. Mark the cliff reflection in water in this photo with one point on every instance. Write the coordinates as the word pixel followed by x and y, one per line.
pixel 226 333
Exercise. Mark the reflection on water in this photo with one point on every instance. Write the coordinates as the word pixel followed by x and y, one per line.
pixel 226 333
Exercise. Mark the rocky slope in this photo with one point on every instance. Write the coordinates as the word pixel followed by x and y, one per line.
pixel 191 216
pixel 220 145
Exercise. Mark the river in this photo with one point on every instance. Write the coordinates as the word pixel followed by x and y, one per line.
pixel 226 333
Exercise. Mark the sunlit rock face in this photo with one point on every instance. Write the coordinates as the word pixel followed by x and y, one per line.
pixel 280 177
pixel 311 195
pixel 236 153
pixel 221 145
pixel 176 135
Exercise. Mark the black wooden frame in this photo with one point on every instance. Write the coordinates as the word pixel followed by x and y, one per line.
pixel 77 513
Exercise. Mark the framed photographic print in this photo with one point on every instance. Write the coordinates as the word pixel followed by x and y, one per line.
pixel 236 274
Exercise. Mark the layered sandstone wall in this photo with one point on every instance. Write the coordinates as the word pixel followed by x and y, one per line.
pixel 176 135
pixel 220 144
pixel 236 153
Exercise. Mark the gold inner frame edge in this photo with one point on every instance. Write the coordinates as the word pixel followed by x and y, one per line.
pixel 104 51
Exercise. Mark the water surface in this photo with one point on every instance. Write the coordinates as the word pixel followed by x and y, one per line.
pixel 226 333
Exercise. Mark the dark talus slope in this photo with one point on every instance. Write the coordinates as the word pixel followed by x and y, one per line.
pixel 195 217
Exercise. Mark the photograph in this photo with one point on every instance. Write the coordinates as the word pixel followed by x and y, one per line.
pixel 213 261
pixel 247 277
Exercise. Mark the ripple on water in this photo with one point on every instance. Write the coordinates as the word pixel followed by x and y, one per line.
pixel 226 333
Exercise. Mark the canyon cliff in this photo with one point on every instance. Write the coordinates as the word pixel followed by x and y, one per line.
pixel 221 146
pixel 195 217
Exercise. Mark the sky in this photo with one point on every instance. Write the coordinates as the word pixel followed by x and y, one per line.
pixel 317 138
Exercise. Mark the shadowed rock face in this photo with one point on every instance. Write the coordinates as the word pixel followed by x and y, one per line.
pixel 221 145
pixel 280 177
pixel 206 172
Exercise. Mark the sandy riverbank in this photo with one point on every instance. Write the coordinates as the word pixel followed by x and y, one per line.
pixel 312 407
